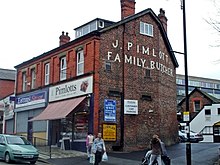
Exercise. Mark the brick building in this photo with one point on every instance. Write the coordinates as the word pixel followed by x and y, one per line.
pixel 7 86
pixel 197 100
pixel 115 78
pixel 7 82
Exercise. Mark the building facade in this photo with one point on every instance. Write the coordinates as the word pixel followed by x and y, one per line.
pixel 210 86
pixel 7 87
pixel 204 115
pixel 115 78
pixel 7 82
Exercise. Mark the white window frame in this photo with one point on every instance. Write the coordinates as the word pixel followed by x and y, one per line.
pixel 63 68
pixel 24 81
pixel 146 29
pixel 33 78
pixel 47 73
pixel 80 63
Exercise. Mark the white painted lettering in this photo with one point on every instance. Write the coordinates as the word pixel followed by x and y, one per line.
pixel 128 60
pixel 115 45
pixel 117 58
pixel 109 55
pixel 130 44
pixel 145 51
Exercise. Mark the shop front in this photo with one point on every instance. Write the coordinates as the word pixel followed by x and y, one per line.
pixel 70 114
pixel 27 106
pixel 7 107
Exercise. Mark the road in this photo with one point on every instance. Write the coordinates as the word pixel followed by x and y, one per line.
pixel 201 154
pixel 22 163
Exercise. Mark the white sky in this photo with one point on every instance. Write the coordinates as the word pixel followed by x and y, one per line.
pixel 30 28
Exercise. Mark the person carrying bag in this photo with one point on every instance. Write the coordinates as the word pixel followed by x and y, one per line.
pixel 98 148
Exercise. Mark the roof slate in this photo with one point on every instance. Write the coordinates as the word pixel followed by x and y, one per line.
pixel 7 74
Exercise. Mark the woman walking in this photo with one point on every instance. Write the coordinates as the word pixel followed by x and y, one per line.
pixel 98 148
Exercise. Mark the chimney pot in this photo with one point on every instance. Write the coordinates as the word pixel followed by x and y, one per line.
pixel 163 18
pixel 127 8
pixel 64 38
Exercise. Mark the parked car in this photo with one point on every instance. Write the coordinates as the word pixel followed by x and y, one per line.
pixel 194 137
pixel 17 148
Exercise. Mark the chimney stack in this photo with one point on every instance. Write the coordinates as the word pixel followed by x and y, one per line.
pixel 64 38
pixel 163 18
pixel 127 8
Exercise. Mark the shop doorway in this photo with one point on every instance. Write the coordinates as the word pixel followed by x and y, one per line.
pixel 30 131
pixel 55 133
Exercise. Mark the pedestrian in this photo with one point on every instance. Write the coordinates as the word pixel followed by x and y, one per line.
pixel 164 156
pixel 89 142
pixel 156 150
pixel 98 148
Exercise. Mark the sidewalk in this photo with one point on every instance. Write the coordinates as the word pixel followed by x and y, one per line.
pixel 59 155
pixel 202 154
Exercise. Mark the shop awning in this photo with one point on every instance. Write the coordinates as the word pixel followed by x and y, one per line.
pixel 58 110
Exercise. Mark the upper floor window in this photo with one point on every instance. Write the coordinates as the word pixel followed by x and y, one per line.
pixel 33 78
pixel 146 29
pixel 24 82
pixel 147 73
pixel 197 105
pixel 207 111
pixel 63 68
pixel 80 63
pixel 47 73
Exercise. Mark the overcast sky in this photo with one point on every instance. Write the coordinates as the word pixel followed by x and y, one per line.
pixel 30 28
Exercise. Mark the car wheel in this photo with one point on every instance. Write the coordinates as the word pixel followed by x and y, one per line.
pixel 7 158
pixel 32 162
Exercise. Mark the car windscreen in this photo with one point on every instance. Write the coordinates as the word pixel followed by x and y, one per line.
pixel 17 140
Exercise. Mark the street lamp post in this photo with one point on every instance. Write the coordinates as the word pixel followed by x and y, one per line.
pixel 188 144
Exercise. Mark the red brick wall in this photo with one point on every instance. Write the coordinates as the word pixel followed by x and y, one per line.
pixel 6 88
pixel 138 129
pixel 192 98
pixel 161 87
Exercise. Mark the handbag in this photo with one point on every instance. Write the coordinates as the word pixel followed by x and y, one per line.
pixel 104 157
pixel 94 148
pixel 92 158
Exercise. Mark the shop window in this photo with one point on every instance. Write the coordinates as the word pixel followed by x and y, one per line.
pixel 81 119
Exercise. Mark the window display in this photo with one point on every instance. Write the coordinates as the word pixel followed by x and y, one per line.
pixel 81 125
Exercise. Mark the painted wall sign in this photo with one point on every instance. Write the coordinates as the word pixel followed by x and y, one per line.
pixel 131 107
pixel 160 63
pixel 35 98
pixel 109 132
pixel 71 89
pixel 110 110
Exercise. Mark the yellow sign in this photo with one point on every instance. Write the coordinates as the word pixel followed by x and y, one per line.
pixel 109 132
pixel 186 116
